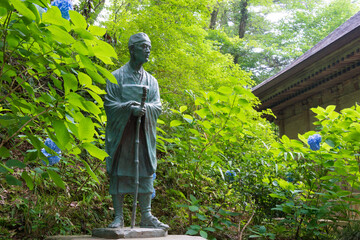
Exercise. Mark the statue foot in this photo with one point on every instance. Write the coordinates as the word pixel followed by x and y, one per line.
pixel 153 222
pixel 117 223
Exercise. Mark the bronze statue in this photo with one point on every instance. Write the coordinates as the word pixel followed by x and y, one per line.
pixel 131 133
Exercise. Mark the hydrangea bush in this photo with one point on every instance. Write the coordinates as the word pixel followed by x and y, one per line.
pixel 325 179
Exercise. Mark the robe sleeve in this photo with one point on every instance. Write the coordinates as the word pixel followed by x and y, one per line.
pixel 117 113
pixel 153 110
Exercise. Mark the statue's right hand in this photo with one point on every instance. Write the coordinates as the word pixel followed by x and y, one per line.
pixel 137 111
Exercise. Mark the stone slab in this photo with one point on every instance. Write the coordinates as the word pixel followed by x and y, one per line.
pixel 118 233
pixel 89 237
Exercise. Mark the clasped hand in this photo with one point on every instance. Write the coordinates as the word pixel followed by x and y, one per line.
pixel 137 111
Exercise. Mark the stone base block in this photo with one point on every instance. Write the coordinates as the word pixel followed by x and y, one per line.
pixel 118 233
pixel 88 237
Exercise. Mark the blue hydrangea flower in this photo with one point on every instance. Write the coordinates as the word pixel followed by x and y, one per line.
pixel 64 6
pixel 52 159
pixel 230 175
pixel 314 141
pixel 289 177
pixel 153 193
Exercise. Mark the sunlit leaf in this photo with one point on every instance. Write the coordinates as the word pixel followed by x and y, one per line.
pixel 56 178
pixel 95 151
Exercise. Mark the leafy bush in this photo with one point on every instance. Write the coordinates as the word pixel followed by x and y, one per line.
pixel 50 69
pixel 323 192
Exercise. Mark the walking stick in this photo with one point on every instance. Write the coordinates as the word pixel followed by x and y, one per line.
pixel 137 132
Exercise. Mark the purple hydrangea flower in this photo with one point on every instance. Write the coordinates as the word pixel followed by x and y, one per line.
pixel 51 158
pixel 64 6
pixel 230 175
pixel 314 142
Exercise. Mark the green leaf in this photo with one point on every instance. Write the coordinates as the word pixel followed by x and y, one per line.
pixel 83 33
pixel 91 107
pixel 203 234
pixel 77 19
pixel 175 123
pixel 62 133
pixel 3 11
pixel 28 180
pixel 193 198
pixel 98 31
pixel 254 236
pixel 84 79
pixel 95 151
pixel 108 75
pixel 95 76
pixel 23 10
pixel 4 169
pixel 53 16
pixel 202 112
pixel 56 178
pixel 86 129
pixel 262 229
pixel 191 232
pixel 210 229
pixel 34 141
pixel 15 163
pixel 96 89
pixel 11 180
pixel 330 142
pixel 201 217
pixel 4 152
pixel 87 63
pixel 96 97
pixel 60 35
pixel 183 108
pixel 159 121
pixel 102 50
pixel 89 171
pixel 70 82
pixel 194 208
pixel 188 118
pixel 80 48
pixel 225 90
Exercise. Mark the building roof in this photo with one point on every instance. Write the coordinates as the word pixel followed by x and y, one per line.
pixel 340 37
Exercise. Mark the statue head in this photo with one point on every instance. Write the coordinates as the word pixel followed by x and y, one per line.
pixel 139 47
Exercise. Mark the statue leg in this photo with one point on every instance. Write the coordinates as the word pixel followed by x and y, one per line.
pixel 147 219
pixel 118 207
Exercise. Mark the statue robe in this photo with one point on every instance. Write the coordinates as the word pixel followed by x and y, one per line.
pixel 120 131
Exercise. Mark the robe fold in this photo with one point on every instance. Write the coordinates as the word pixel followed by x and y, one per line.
pixel 120 131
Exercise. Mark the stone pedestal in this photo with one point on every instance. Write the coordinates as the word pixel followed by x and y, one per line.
pixel 88 237
pixel 118 233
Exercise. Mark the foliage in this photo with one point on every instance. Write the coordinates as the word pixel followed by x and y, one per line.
pixel 181 57
pixel 49 68
pixel 216 137
pixel 322 193
pixel 277 32
pixel 222 173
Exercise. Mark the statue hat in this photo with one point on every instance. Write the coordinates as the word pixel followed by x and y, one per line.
pixel 139 37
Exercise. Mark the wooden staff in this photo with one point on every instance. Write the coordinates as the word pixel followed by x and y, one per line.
pixel 137 132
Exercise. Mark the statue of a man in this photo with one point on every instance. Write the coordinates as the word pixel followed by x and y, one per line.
pixel 123 108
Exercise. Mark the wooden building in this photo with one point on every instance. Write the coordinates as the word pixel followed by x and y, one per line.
pixel 327 74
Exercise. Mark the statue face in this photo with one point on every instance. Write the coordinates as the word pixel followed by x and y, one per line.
pixel 141 51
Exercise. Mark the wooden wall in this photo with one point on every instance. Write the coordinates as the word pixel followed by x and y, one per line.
pixel 298 118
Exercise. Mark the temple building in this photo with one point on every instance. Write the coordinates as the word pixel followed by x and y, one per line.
pixel 327 74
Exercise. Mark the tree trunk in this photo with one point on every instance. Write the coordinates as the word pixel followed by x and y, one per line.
pixel 244 18
pixel 214 15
